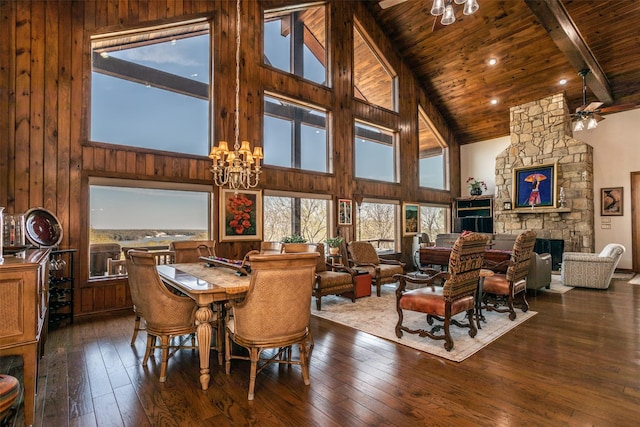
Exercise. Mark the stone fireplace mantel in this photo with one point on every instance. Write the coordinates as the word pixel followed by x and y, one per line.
pixel 541 133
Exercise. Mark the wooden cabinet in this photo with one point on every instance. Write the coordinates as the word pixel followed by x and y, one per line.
pixel 473 214
pixel 23 313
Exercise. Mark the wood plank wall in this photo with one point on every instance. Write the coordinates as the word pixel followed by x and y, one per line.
pixel 46 158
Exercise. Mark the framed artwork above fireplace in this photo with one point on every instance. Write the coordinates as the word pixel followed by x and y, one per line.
pixel 535 186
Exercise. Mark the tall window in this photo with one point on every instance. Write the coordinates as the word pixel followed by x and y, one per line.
pixel 375 153
pixel 378 224
pixel 150 89
pixel 287 213
pixel 295 136
pixel 294 42
pixel 374 80
pixel 434 220
pixel 432 154
pixel 142 214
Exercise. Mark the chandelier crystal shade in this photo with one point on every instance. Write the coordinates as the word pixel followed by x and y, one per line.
pixel 240 168
pixel 445 9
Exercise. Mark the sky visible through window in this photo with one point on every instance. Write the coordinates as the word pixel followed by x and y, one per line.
pixel 148 209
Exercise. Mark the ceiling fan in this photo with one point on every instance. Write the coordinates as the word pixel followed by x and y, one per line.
pixel 587 116
pixel 441 8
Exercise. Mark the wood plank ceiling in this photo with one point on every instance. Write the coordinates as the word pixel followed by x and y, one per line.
pixel 534 51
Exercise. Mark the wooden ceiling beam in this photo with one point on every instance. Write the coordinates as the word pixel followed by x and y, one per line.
pixel 556 20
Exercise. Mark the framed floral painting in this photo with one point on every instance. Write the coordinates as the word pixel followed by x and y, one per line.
pixel 240 215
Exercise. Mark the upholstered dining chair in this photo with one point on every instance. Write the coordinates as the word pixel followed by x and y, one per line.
pixel 500 291
pixel 166 314
pixel 191 250
pixel 590 270
pixel 363 256
pixel 274 313
pixel 457 295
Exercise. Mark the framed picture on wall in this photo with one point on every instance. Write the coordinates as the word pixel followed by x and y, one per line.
pixel 410 219
pixel 611 201
pixel 344 212
pixel 535 186
pixel 240 215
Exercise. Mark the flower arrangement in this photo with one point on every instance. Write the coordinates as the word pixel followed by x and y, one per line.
pixel 475 186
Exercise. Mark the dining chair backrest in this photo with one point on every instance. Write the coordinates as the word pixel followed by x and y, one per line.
pixel 465 262
pixel 298 247
pixel 187 251
pixel 270 247
pixel 521 256
pixel 277 304
pixel 149 292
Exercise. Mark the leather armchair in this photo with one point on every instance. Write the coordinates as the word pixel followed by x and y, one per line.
pixel 591 270
pixel 539 275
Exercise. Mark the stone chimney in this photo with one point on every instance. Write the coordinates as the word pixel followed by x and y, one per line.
pixel 541 133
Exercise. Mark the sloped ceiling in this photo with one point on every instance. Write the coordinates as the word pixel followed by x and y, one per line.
pixel 534 50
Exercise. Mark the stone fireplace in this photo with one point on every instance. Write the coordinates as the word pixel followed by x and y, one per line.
pixel 541 133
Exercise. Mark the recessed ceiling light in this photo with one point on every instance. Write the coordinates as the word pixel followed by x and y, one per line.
pixel 494 101
pixel 563 81
pixel 493 61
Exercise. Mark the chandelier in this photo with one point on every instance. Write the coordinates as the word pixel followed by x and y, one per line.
pixel 240 168
pixel 445 8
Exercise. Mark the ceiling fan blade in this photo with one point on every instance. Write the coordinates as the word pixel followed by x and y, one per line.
pixel 617 108
pixel 598 117
pixel 593 106
pixel 385 4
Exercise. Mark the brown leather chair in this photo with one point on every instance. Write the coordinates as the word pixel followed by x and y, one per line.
pixel 500 291
pixel 166 314
pixel 332 279
pixel 364 257
pixel 457 295
pixel 274 313
pixel 191 250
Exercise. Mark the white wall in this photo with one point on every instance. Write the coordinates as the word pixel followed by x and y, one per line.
pixel 616 154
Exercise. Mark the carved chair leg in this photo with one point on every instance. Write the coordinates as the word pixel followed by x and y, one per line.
pixel 136 328
pixel 254 355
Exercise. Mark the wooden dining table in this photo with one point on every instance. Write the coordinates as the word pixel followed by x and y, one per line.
pixel 206 286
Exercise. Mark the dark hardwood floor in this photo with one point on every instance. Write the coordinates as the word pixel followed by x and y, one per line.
pixel 575 363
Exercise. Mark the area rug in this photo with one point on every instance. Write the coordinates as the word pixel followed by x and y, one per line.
pixel 635 280
pixel 378 316
pixel 623 276
pixel 556 286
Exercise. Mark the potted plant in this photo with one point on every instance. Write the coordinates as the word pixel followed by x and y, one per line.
pixel 294 238
pixel 334 244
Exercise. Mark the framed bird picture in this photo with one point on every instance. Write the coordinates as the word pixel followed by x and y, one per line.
pixel 535 186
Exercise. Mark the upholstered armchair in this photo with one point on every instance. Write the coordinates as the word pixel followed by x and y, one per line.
pixel 457 295
pixel 364 257
pixel 166 314
pixel 588 270
pixel 539 275
pixel 274 314
pixel 332 279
